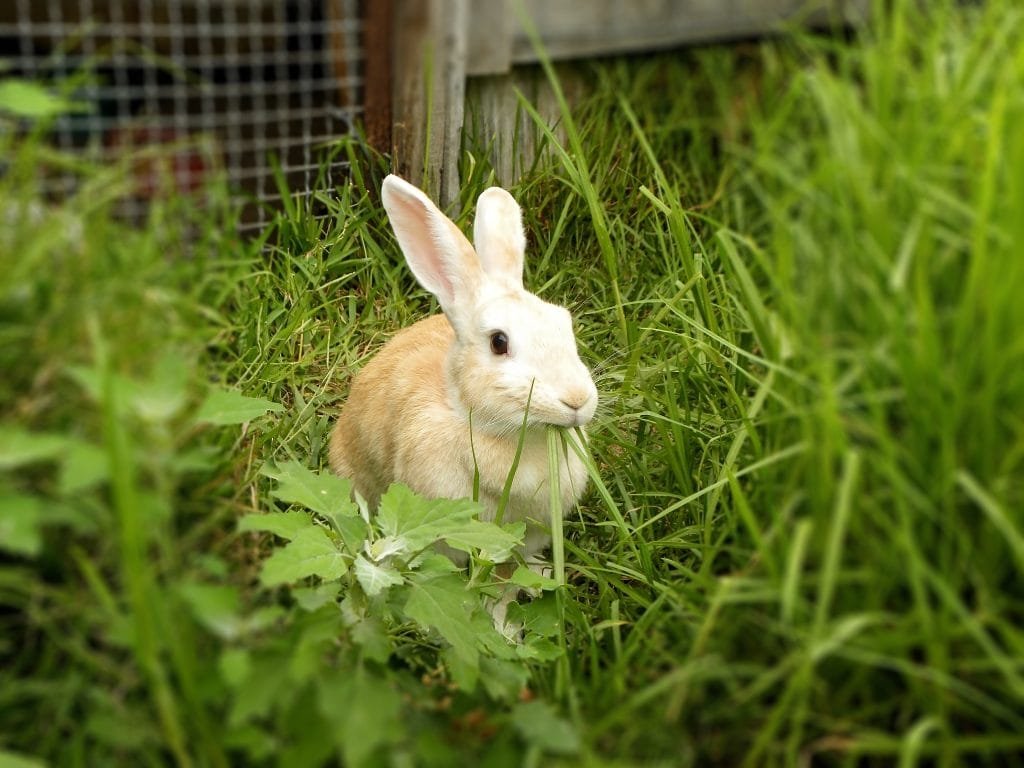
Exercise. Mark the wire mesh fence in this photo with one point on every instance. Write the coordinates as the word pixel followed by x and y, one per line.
pixel 243 85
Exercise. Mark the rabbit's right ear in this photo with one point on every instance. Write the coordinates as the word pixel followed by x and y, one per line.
pixel 498 236
pixel 437 252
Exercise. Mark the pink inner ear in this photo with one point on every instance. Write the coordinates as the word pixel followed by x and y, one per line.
pixel 426 249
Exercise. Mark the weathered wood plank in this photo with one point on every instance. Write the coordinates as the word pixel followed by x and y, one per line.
pixel 450 97
pixel 490 37
pixel 377 104
pixel 581 28
pixel 429 59
pixel 410 35
pixel 501 131
pixel 437 44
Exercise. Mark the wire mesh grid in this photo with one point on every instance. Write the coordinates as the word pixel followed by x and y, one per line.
pixel 195 85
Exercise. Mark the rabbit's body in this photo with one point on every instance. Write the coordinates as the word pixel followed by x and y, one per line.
pixel 496 349
pixel 415 410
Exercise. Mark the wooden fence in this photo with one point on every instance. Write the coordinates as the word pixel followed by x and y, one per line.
pixel 442 51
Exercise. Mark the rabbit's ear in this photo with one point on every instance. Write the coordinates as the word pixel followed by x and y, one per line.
pixel 439 255
pixel 498 236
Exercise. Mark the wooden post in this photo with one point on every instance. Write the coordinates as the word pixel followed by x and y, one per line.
pixel 489 46
pixel 436 44
pixel 377 82
pixel 429 60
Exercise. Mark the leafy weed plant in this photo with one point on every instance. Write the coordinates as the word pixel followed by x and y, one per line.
pixel 794 265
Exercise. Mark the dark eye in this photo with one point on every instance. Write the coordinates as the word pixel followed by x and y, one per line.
pixel 499 343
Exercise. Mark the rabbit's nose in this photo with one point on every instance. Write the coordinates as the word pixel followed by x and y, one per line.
pixel 575 399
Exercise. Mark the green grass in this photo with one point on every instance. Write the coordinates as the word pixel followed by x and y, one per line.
pixel 795 270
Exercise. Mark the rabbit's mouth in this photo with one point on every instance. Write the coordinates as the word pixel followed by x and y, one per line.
pixel 507 410
pixel 580 405
pixel 566 412
pixel 578 417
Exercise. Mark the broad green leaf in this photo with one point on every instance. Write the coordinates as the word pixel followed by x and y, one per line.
pixel 489 639
pixel 18 447
pixel 539 615
pixel 526 577
pixel 88 379
pixel 19 760
pixel 463 673
pixel 223 407
pixel 215 606
pixel 353 531
pixel 374 579
pixel 369 634
pixel 264 686
pixel 364 711
pixel 414 523
pixel 367 630
pixel 154 399
pixel 444 604
pixel 494 543
pixel 539 725
pixel 212 565
pixel 85 465
pixel 504 680
pixel 386 546
pixel 431 563
pixel 536 648
pixel 164 392
pixel 283 524
pixel 310 553
pixel 310 741
pixel 78 517
pixel 353 607
pixel 119 727
pixel 317 635
pixel 311 599
pixel 322 492
pixel 234 665
pixel 261 618
pixel 256 743
pixel 20 524
pixel 153 506
pixel 201 458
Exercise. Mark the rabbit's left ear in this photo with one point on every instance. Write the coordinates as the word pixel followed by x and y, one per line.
pixel 498 236
pixel 436 251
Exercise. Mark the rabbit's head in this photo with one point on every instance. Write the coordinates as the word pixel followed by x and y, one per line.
pixel 513 353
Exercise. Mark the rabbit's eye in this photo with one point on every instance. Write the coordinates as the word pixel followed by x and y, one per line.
pixel 499 343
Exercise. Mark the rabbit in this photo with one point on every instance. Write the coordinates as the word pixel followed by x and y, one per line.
pixel 495 346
